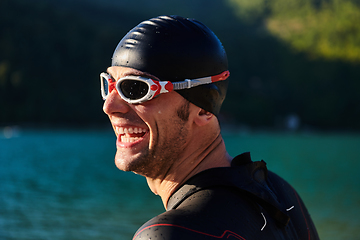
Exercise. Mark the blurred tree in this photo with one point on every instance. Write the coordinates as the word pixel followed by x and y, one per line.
pixel 327 29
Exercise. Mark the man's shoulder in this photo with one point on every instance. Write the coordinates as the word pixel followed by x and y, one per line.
pixel 180 225
pixel 206 214
pixel 167 225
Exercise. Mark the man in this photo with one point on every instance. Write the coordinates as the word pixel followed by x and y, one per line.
pixel 162 94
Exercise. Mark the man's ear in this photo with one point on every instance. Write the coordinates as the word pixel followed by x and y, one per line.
pixel 203 117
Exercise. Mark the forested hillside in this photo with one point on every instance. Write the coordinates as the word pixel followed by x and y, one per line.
pixel 287 58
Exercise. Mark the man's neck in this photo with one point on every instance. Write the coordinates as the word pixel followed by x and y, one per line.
pixel 189 164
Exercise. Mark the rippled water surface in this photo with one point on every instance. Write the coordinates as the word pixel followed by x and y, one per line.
pixel 63 184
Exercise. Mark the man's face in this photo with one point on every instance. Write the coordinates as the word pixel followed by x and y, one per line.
pixel 151 135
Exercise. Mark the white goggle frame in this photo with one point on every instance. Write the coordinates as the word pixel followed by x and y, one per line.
pixel 154 87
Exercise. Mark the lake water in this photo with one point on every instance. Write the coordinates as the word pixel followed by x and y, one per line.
pixel 63 184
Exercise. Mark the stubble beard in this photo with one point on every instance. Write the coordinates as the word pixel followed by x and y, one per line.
pixel 155 162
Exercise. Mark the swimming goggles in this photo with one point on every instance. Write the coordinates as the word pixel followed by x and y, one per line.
pixel 136 89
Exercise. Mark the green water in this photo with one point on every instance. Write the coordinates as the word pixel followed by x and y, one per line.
pixel 63 184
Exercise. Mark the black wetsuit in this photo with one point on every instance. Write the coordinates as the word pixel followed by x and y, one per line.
pixel 244 201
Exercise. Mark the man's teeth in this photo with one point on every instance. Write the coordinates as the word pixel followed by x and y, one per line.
pixel 125 139
pixel 125 131
pixel 122 130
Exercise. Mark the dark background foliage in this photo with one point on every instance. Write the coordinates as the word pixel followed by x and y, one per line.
pixel 51 54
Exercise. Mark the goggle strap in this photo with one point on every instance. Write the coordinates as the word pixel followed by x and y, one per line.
pixel 220 77
pixel 189 83
pixel 182 85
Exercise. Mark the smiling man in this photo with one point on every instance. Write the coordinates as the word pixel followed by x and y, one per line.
pixel 162 94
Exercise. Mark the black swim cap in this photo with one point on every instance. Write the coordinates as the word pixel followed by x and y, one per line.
pixel 174 48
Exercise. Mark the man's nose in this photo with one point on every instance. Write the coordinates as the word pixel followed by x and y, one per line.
pixel 115 104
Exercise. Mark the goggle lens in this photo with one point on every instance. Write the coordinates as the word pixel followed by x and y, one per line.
pixel 105 86
pixel 133 89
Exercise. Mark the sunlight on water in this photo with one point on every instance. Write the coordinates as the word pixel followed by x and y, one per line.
pixel 63 184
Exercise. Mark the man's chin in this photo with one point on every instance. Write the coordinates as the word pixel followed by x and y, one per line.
pixel 124 164
pixel 133 163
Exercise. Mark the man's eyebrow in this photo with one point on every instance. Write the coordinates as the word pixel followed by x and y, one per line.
pixel 140 73
pixel 134 72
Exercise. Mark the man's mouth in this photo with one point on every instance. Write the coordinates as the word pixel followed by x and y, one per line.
pixel 130 134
